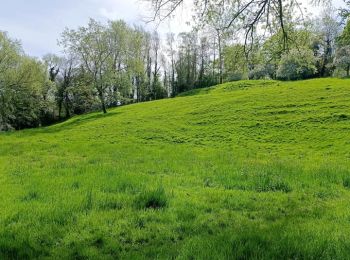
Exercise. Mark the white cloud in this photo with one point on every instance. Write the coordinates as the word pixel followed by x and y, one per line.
pixel 118 10
pixel 38 24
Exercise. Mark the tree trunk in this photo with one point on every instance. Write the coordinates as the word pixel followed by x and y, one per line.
pixel 67 111
pixel 326 58
pixel 103 104
pixel 214 61
pixel 220 58
pixel 174 91
pixel 66 104
pixel 59 110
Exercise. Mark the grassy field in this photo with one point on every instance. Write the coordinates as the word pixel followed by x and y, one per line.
pixel 245 170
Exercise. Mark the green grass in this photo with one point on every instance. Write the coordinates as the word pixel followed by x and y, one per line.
pixel 246 170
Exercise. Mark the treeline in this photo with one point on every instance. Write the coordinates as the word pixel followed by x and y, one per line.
pixel 103 66
pixel 302 49
pixel 113 64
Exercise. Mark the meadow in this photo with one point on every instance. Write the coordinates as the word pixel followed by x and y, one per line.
pixel 243 170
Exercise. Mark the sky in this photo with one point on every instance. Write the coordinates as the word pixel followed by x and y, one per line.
pixel 39 23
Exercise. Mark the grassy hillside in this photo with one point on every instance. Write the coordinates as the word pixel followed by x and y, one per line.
pixel 257 169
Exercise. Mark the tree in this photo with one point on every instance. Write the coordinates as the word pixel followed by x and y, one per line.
pixel 186 65
pixel 22 83
pixel 270 53
pixel 235 62
pixel 247 14
pixel 53 64
pixel 92 45
pixel 67 68
pixel 103 65
pixel 327 29
pixel 216 19
pixel 345 12
pixel 9 57
pixel 82 98
pixel 344 38
pixel 342 59
pixel 171 54
pixel 137 63
pixel 297 64
pixel 205 78
pixel 120 63
pixel 156 69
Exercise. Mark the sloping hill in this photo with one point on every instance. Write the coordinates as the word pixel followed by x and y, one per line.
pixel 256 169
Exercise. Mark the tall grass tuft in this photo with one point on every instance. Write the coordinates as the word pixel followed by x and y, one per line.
pixel 152 199
pixel 346 182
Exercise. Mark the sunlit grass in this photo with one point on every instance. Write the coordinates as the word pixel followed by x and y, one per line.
pixel 243 170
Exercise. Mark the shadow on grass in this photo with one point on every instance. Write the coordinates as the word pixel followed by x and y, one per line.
pixel 77 121
pixel 66 125
pixel 195 92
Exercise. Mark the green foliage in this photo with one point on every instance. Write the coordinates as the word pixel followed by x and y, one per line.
pixel 159 92
pixel 297 64
pixel 186 68
pixel 118 62
pixel 272 51
pixel 344 38
pixel 262 72
pixel 235 64
pixel 342 59
pixel 22 87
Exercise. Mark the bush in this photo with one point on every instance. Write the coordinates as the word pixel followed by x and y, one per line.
pixel 342 59
pixel 235 76
pixel 259 72
pixel 153 199
pixel 297 64
pixel 5 127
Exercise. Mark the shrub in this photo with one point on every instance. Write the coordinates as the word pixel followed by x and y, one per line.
pixel 152 199
pixel 297 64
pixel 259 72
pixel 342 59
pixel 235 76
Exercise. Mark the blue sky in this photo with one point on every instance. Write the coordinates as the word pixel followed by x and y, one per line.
pixel 39 23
